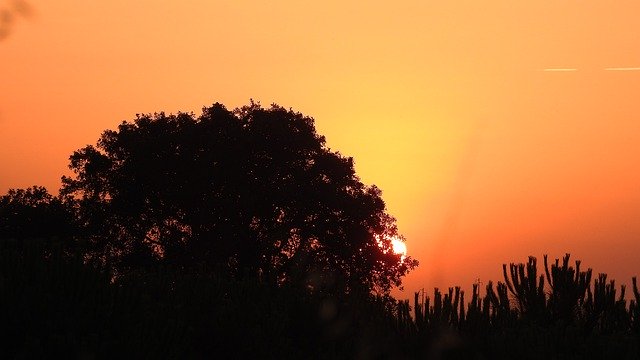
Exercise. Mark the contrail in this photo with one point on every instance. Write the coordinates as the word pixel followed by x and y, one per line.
pixel 560 69
pixel 623 69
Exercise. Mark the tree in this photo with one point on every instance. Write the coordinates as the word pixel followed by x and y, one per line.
pixel 254 190
pixel 34 213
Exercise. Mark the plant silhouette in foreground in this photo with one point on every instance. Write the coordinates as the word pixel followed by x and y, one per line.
pixel 253 192
pixel 56 304
pixel 241 234
pixel 571 317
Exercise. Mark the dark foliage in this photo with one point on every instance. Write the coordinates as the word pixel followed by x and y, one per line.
pixel 254 190
pixel 572 318
pixel 56 305
pixel 34 213
pixel 239 234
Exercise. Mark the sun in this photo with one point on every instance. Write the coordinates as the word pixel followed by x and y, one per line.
pixel 399 247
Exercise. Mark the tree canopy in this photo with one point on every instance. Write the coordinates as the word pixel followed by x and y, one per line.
pixel 34 213
pixel 252 190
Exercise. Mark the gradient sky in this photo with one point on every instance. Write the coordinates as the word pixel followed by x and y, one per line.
pixel 482 156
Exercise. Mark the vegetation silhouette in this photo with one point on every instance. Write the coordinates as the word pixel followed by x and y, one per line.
pixel 240 234
pixel 572 318
pixel 55 304
pixel 254 190
pixel 34 213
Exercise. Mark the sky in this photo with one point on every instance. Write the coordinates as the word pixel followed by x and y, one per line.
pixel 484 154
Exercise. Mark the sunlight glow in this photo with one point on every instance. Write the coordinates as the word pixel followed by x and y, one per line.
pixel 399 247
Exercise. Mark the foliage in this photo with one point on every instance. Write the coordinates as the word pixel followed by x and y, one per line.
pixel 568 288
pixel 572 319
pixel 34 213
pixel 256 190
pixel 526 288
pixel 240 234
pixel 56 305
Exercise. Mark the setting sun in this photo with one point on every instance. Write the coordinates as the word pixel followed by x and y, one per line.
pixel 399 246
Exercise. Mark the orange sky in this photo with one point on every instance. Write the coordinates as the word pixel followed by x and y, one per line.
pixel 483 157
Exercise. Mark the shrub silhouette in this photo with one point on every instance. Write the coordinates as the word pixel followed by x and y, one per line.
pixel 568 288
pixel 527 288
pixel 575 319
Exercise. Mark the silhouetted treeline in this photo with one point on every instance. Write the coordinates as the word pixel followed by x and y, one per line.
pixel 240 234
pixel 55 305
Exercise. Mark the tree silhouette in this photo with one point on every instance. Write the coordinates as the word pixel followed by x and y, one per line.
pixel 254 190
pixel 34 213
